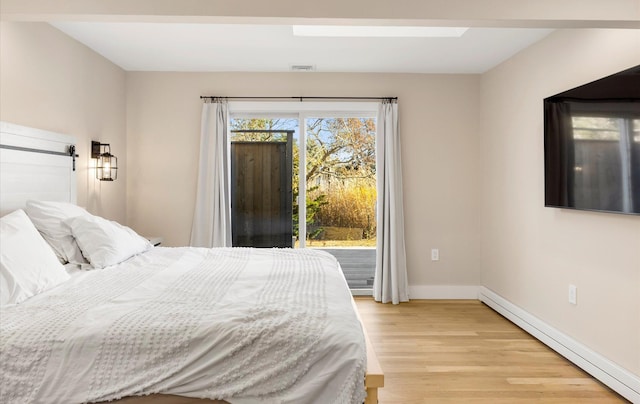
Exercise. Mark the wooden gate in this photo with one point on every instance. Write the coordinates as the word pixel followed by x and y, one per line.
pixel 261 193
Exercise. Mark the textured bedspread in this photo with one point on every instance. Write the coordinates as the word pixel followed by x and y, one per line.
pixel 243 325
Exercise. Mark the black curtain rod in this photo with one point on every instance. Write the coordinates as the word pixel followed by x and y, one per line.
pixel 299 98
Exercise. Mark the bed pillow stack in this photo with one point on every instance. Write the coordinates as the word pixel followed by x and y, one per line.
pixel 79 237
pixel 28 265
pixel 104 242
pixel 35 244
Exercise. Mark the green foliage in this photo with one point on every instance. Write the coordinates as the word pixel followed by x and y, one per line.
pixel 314 204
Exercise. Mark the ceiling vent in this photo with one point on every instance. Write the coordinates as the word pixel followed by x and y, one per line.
pixel 303 68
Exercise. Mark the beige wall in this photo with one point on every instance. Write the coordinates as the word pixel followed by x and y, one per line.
pixel 50 81
pixel 530 254
pixel 438 124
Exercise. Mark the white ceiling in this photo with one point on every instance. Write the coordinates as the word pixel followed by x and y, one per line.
pixel 274 48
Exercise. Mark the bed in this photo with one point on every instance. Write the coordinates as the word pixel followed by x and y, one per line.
pixel 129 322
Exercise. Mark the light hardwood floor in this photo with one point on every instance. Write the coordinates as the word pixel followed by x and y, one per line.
pixel 461 351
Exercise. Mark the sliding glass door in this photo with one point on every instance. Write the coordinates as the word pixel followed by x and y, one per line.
pixel 332 185
pixel 341 193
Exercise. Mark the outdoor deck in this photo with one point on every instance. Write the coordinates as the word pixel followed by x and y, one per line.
pixel 358 265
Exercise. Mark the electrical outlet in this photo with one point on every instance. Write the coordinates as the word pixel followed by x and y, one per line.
pixel 435 254
pixel 573 294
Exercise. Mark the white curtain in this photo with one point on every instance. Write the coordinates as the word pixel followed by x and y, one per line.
pixel 212 217
pixel 390 282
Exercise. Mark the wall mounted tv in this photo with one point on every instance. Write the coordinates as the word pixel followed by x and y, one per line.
pixel 592 145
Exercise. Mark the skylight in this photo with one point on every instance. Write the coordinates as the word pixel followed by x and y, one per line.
pixel 377 31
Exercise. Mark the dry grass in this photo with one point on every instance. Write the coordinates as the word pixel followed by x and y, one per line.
pixel 351 206
pixel 339 243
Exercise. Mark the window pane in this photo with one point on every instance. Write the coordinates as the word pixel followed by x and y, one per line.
pixel 596 128
pixel 238 124
pixel 341 182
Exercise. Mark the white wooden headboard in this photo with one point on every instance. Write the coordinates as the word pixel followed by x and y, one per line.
pixel 35 164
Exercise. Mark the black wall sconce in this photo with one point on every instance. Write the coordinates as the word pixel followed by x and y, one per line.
pixel 106 163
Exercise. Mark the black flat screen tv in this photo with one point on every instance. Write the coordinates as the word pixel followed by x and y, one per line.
pixel 592 145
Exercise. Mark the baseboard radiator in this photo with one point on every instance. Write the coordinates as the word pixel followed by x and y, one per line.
pixel 618 379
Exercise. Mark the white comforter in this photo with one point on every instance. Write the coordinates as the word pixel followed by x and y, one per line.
pixel 243 325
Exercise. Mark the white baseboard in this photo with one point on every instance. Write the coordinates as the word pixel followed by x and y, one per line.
pixel 618 379
pixel 443 292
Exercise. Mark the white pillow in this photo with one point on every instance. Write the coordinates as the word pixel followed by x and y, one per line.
pixel 48 216
pixel 104 242
pixel 28 265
